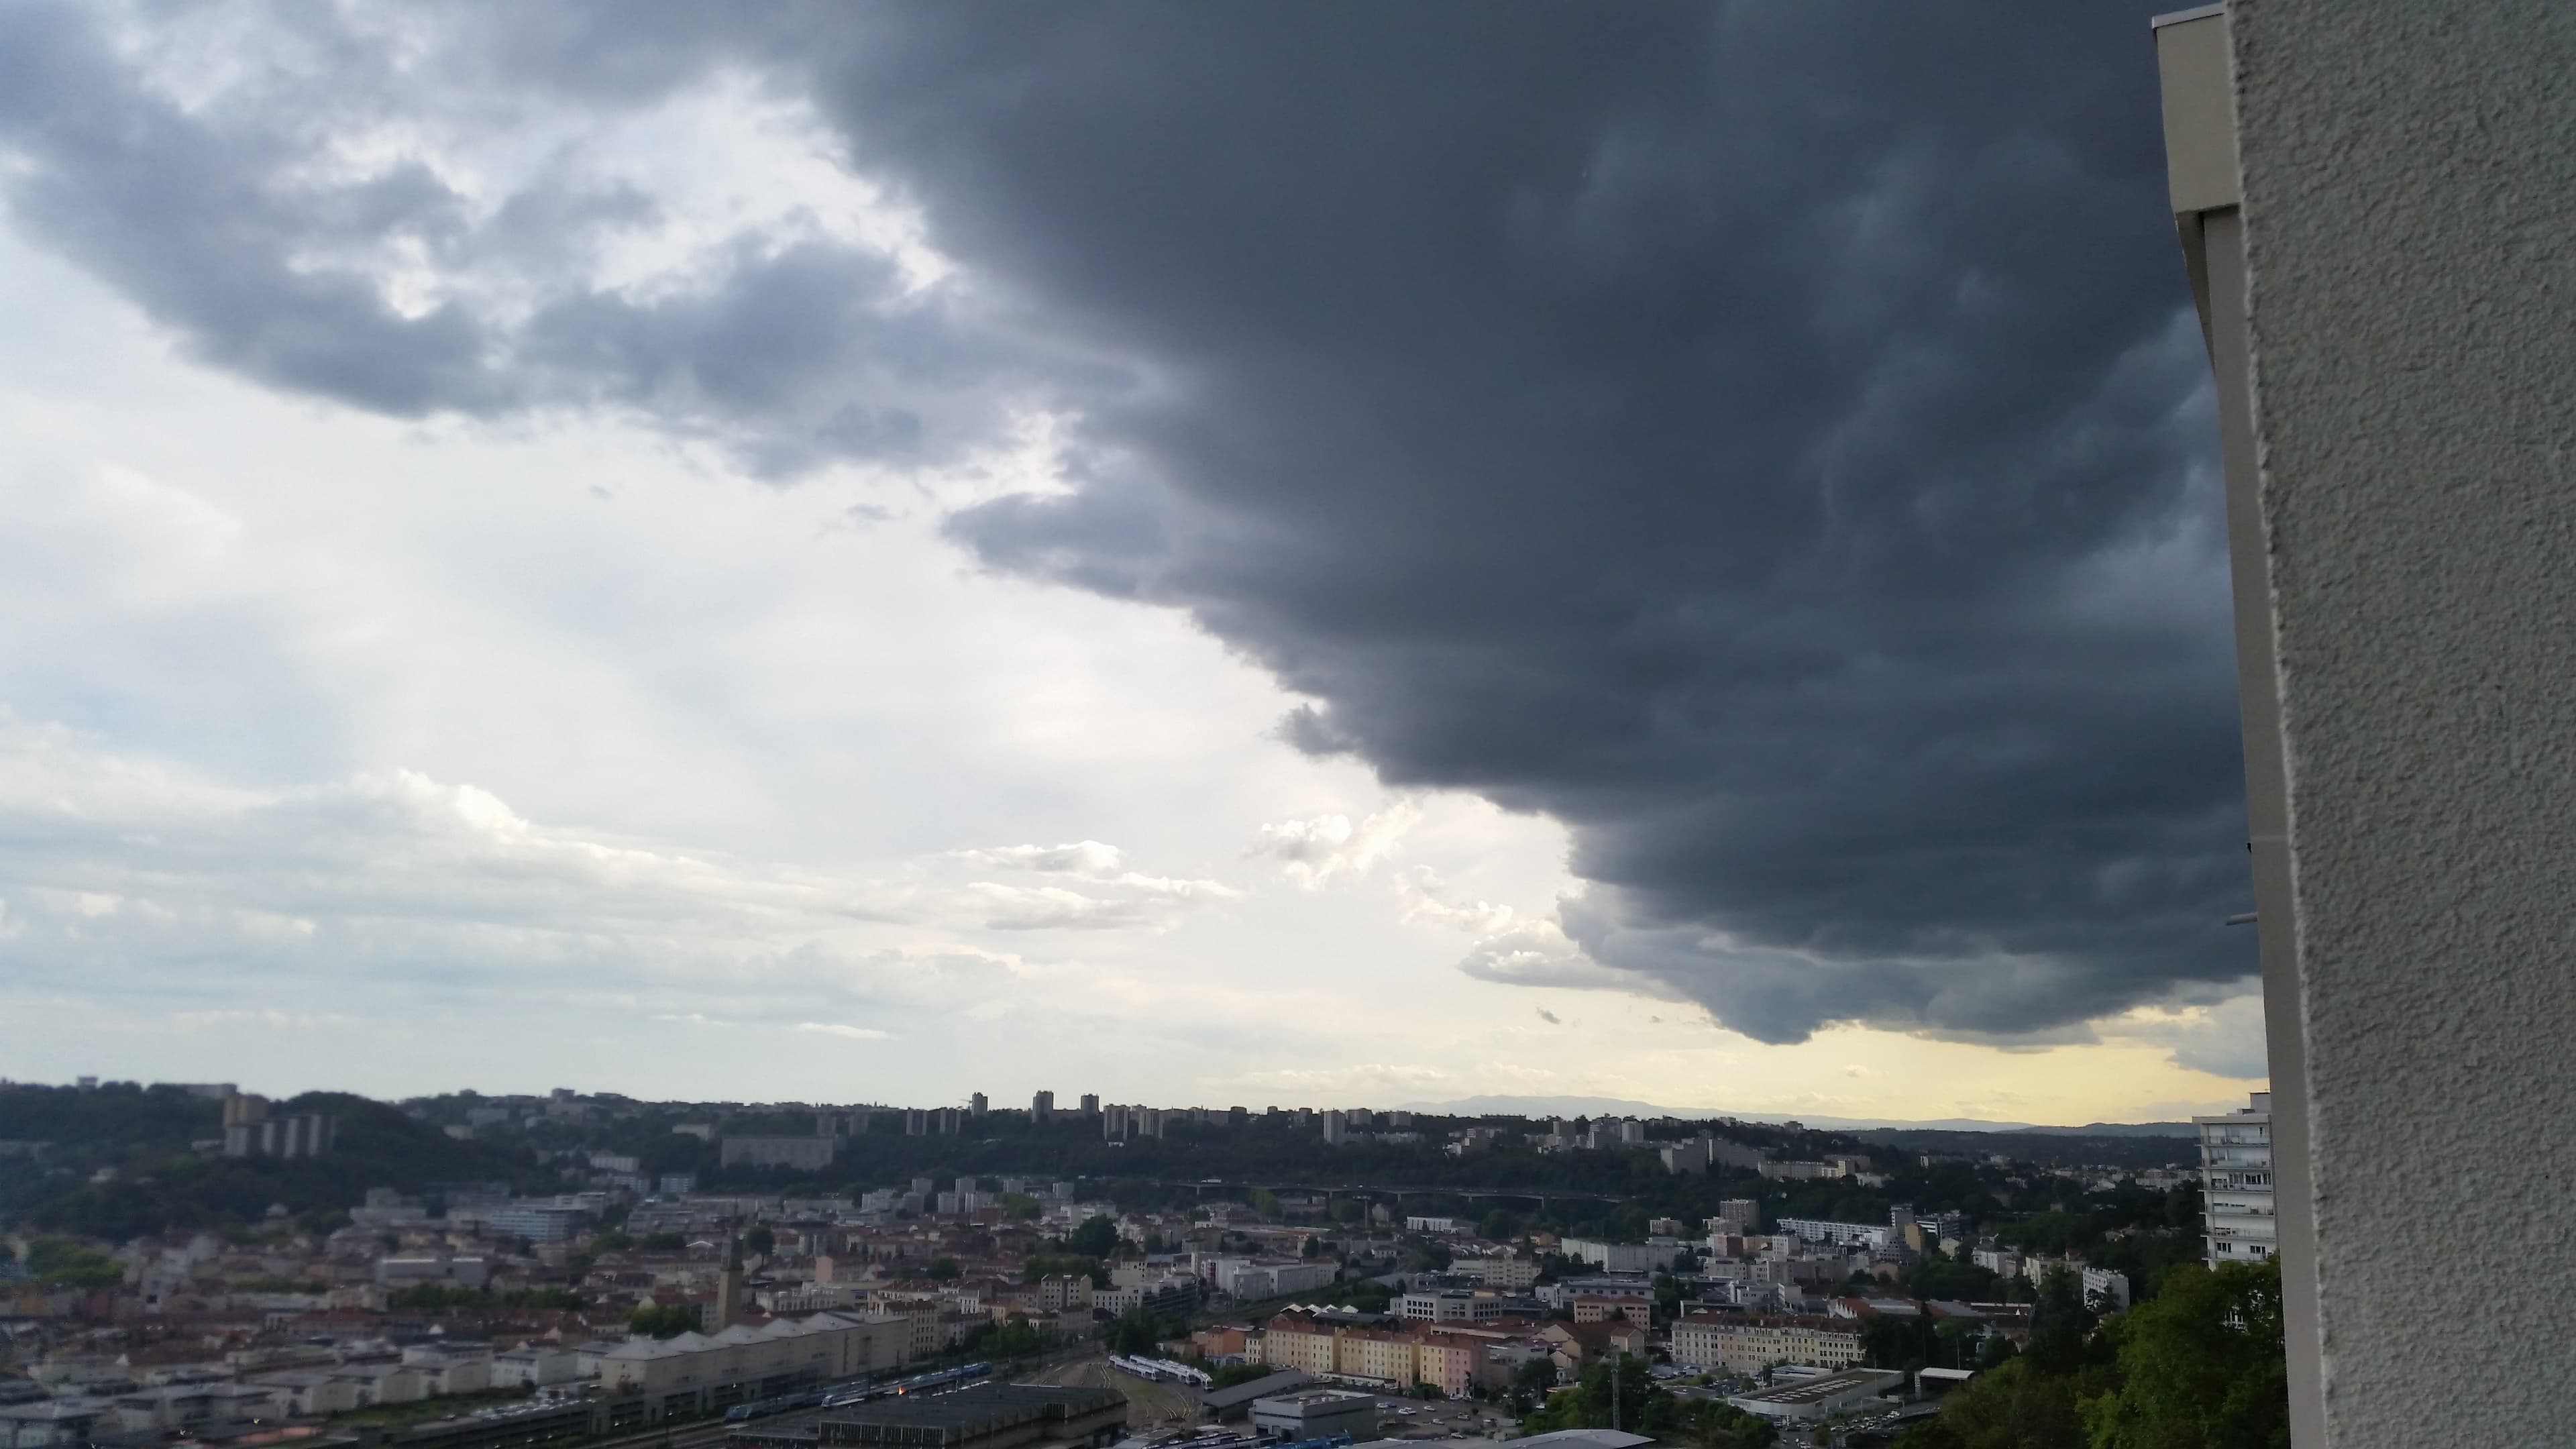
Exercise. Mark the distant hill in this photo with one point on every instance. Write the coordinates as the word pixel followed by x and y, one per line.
pixel 1620 1107
pixel 2119 1129
pixel 156 1180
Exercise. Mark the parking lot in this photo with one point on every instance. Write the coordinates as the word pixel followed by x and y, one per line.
pixel 1438 1419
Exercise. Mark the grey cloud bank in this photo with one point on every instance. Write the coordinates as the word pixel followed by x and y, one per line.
pixel 243 226
pixel 1771 440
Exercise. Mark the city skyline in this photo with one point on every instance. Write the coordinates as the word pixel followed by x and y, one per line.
pixel 953 1118
pixel 544 550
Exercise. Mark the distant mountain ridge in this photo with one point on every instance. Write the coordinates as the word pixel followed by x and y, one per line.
pixel 2120 1129
pixel 1619 1107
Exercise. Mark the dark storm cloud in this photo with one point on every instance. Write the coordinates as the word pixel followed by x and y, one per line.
pixel 1770 439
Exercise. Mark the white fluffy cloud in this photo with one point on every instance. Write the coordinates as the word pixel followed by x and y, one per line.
pixel 1315 851
pixel 104 859
pixel 1537 953
pixel 2223 1038
pixel 843 1030
pixel 1427 898
pixel 1083 857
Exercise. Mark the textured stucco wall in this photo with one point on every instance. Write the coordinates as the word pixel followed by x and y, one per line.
pixel 2409 180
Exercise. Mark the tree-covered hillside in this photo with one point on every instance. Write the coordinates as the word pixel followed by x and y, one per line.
pixel 144 1138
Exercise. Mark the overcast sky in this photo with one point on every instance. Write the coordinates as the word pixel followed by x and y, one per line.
pixel 1320 554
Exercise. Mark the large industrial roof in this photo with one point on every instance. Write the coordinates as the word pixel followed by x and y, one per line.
pixel 972 1407
pixel 1827 1386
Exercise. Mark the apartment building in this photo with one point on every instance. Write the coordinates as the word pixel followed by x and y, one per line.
pixel 536 1223
pixel 1997 1259
pixel 1803 1171
pixel 1256 1278
pixel 1819 1230
pixel 1386 1356
pixel 1164 1296
pixel 1060 1291
pixel 1299 1341
pixel 1575 1345
pixel 1643 1257
pixel 2105 1289
pixel 1452 1363
pixel 1605 1307
pixel 1449 1305
pixel 1512 1271
pixel 2236 1184
pixel 1747 1345
pixel 1453 1359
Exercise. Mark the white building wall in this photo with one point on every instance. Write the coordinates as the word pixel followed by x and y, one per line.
pixel 2238 1214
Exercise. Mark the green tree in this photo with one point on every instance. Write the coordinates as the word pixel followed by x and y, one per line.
pixel 1668 1297
pixel 559 1298
pixel 1362 1295
pixel 1530 1384
pixel 1019 1207
pixel 2013 1407
pixel 1041 1265
pixel 760 1240
pixel 268 1284
pixel 1718 1426
pixel 944 1270
pixel 1138 1332
pixel 1643 1406
pixel 1893 1341
pixel 663 1320
pixel 434 1298
pixel 1096 1238
pixel 66 1263
pixel 2052 1232
pixel 1591 1402
pixel 2060 1316
pixel 1227 1376
pixel 2200 1364
pixel 1936 1275
pixel 444 1297
pixel 1501 1225
pixel 1013 1339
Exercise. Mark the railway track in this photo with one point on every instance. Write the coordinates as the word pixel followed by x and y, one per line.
pixel 713 1433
